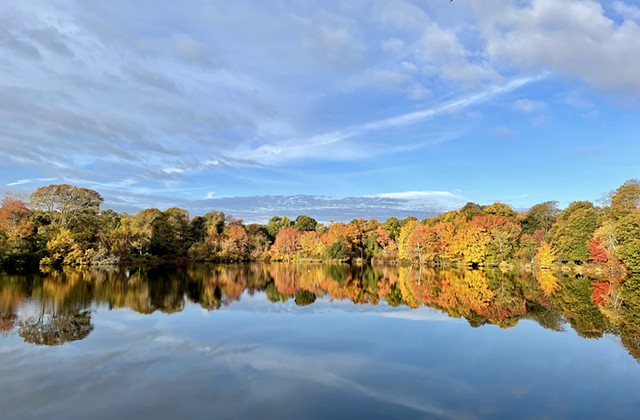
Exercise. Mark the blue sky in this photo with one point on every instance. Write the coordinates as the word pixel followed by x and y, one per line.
pixel 406 106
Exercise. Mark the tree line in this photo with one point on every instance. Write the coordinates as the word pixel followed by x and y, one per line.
pixel 63 225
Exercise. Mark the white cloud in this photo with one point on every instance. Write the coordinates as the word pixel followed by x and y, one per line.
pixel 190 50
pixel 438 42
pixel 626 10
pixel 392 45
pixel 388 78
pixel 409 66
pixel 173 170
pixel 573 37
pixel 417 92
pixel 331 39
pixel 528 106
pixel 400 15
pixel 505 132
pixel 576 99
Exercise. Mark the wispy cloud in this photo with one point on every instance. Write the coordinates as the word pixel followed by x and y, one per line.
pixel 308 147
pixel 436 200
pixel 30 181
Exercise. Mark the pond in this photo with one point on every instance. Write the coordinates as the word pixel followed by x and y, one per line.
pixel 317 341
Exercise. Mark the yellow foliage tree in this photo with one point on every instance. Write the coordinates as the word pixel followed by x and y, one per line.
pixel 546 256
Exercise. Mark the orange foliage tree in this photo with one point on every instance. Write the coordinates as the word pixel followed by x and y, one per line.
pixel 15 220
pixel 287 243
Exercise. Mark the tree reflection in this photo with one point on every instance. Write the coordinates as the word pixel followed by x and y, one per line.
pixel 55 307
pixel 12 297
pixel 56 329
pixel 574 299
pixel 630 316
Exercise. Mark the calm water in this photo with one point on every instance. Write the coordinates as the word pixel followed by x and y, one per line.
pixel 316 341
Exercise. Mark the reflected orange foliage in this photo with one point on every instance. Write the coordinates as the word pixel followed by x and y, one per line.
pixel 601 290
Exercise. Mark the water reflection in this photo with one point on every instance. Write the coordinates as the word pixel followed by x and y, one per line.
pixel 54 308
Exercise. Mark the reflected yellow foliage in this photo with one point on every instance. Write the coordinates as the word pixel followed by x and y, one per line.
pixel 548 281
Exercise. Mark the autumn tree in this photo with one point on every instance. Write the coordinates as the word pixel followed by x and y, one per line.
pixel 627 232
pixel 388 246
pixel 472 240
pixel 276 224
pixel 575 225
pixel 528 245
pixel 141 228
pixel 371 241
pixel 311 244
pixel 606 237
pixel 540 217
pixel 393 226
pixel 17 244
pixel 15 220
pixel 197 230
pixel 215 222
pixel 500 209
pixel 177 220
pixel 66 205
pixel 447 233
pixel 338 237
pixel 287 243
pixel 305 223
pixel 419 243
pixel 546 256
pixel 471 210
pixel 108 249
pixel 69 211
pixel 504 233
pixel 626 198
pixel 336 250
pixel 259 242
pixel 236 243
pixel 121 237
pixel 62 249
pixel 363 237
